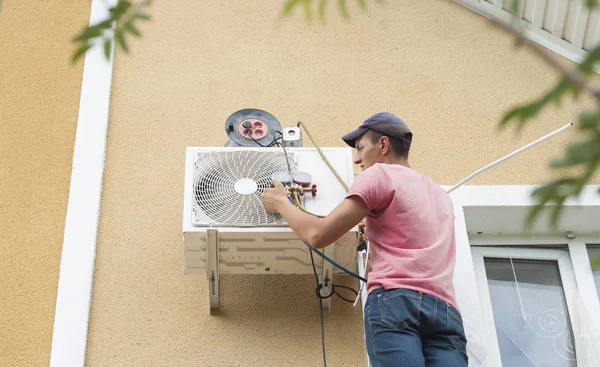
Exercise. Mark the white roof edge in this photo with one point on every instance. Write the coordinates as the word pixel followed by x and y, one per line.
pixel 515 195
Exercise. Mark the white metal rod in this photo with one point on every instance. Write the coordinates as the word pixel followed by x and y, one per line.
pixel 567 126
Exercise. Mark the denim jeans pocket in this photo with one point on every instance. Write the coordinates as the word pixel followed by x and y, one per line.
pixel 459 343
pixel 456 331
pixel 400 308
pixel 453 312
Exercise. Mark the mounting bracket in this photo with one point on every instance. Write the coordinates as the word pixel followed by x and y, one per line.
pixel 212 267
pixel 326 277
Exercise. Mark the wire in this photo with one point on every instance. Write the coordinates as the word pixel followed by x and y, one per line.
pixel 345 287
pixel 558 131
pixel 295 195
pixel 335 264
pixel 523 317
pixel 312 248
pixel 301 124
pixel 276 140
pixel 286 155
pixel 312 260
pixel 321 298
pixel 256 141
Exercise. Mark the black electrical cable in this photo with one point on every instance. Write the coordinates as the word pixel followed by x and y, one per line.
pixel 325 257
pixel 286 156
pixel 256 141
pixel 336 264
pixel 276 140
pixel 312 248
pixel 342 297
pixel 312 260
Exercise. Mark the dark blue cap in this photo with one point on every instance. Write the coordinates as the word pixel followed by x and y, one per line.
pixel 385 123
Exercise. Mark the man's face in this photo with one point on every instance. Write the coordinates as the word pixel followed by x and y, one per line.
pixel 367 153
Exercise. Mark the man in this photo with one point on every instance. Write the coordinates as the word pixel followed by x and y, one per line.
pixel 411 316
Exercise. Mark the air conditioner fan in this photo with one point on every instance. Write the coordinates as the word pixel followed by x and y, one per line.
pixel 228 186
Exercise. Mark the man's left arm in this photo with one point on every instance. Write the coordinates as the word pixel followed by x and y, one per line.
pixel 317 232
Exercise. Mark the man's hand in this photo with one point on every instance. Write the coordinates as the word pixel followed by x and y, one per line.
pixel 272 199
pixel 318 232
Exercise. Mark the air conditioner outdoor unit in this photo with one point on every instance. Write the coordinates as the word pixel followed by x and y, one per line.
pixel 226 229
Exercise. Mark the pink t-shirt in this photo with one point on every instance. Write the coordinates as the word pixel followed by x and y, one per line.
pixel 410 228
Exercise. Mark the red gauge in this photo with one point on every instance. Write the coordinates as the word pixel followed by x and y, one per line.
pixel 303 179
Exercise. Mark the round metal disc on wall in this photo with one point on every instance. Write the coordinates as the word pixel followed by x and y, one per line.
pixel 262 124
pixel 231 144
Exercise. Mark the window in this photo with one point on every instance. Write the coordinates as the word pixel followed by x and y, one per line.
pixel 526 294
pixel 594 254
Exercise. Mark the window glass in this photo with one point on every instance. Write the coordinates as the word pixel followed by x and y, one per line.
pixel 530 313
pixel 594 254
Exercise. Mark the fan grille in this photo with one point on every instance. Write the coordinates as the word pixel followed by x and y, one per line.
pixel 218 177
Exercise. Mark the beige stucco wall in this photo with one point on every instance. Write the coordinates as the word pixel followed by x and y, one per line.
pixel 39 100
pixel 435 64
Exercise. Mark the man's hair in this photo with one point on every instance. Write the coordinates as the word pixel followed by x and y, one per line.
pixel 401 146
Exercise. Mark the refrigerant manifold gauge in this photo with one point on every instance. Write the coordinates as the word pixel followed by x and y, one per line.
pixel 303 179
pixel 282 177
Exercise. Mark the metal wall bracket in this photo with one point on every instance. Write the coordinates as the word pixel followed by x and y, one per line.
pixel 212 267
pixel 326 277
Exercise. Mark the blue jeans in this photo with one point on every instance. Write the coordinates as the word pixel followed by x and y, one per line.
pixel 413 329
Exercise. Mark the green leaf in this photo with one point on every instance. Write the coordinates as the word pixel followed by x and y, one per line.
pixel 527 111
pixel 343 8
pixel 289 6
pixel 591 3
pixel 131 28
pixel 107 48
pixel 556 213
pixel 88 33
pixel 121 40
pixel 596 263
pixel 80 51
pixel 514 6
pixel 141 15
pixel 362 4
pixel 95 30
pixel 583 151
pixel 589 62
pixel 558 191
pixel 589 120
pixel 555 192
pixel 307 13
pixel 533 214
pixel 322 5
pixel 120 9
pixel 105 24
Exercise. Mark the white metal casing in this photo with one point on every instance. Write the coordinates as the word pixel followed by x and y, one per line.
pixel 275 249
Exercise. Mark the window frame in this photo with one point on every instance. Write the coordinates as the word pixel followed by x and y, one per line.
pixel 567 275
pixel 578 249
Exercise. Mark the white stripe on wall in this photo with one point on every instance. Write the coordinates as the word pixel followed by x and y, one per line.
pixel 79 244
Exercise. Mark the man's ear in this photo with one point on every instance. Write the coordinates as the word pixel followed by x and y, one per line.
pixel 385 144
